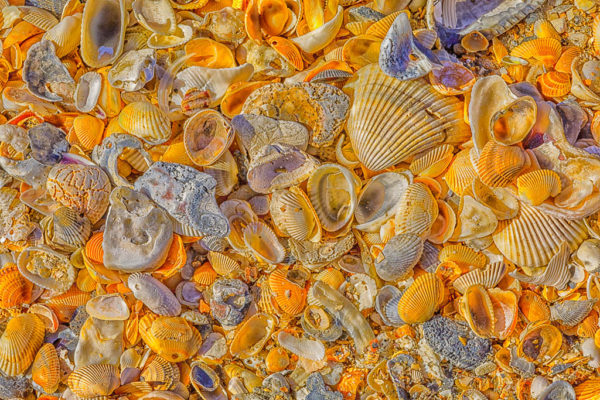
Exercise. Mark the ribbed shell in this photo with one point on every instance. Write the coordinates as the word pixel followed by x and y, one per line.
pixel 499 165
pixel 554 84
pixel 536 186
pixel 462 255
pixel 71 229
pixel 46 368
pixel 294 215
pixel 571 312
pixel 93 248
pixel 532 237
pixel 89 130
pixel 400 254
pixel 65 35
pixel 290 297
pixel 380 28
pixel 94 380
pixel 421 300
pixel 391 120
pixel 15 290
pixel 547 50
pixel 161 370
pixel 225 172
pixel 23 336
pixel 461 172
pixel 588 389
pixel 533 307
pixel 556 274
pixel 38 17
pixel 433 162
pixel 146 121
pixel 487 277
pixel 222 263
pixel 417 211
pixel 566 59
pixel 172 338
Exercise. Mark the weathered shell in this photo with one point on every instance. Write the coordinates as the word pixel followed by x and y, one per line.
pixel 100 341
pixel 488 277
pixel 45 370
pixel 102 42
pixel 319 38
pixel 306 348
pixel 108 307
pixel 94 380
pixel 540 342
pixel 379 200
pixel 206 136
pixel 15 290
pixel 183 34
pixel 46 268
pixel 84 188
pixel 290 296
pixel 421 300
pixel 571 312
pixel 155 295
pixel 146 121
pixel 417 210
pixel 379 128
pixel 41 68
pixel 203 378
pixel 398 257
pixel 66 229
pixel 252 335
pixel 558 390
pixel 172 338
pixel 503 203
pixel 157 16
pixel 87 91
pixel 229 301
pixel 556 274
pixel 294 215
pixel 133 70
pixel 22 337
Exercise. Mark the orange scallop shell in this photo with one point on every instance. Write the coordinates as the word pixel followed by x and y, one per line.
pixel 569 53
pixel 544 28
pixel 554 84
pixel 88 130
pixel 93 248
pixel 64 305
pixel 15 290
pixel 433 162
pixel 382 26
pixel 46 368
pixel 588 389
pixel 205 275
pixel 94 380
pixel 463 256
pixel 288 50
pixel 546 50
pixel 589 326
pixel 84 281
pixel 421 300
pixel 461 173
pixel 290 297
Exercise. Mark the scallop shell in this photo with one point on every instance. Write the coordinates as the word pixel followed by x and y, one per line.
pixel 205 275
pixel 146 121
pixel 532 237
pixel 46 268
pixel 15 290
pixel 22 337
pixel 477 308
pixel 386 126
pixel 155 295
pixel 263 243
pixel 172 338
pixel 38 17
pixel 381 27
pixel 88 91
pixel 433 162
pixel 319 38
pixel 588 389
pixel 84 188
pixel 89 130
pixel 93 248
pixel 554 84
pixel 294 215
pixel 222 263
pixel 251 337
pixel 379 200
pixel 94 380
pixel 45 370
pixel 546 50
pixel 206 136
pixel 417 211
pixel 163 371
pixel 488 277
pixel 569 53
pixel 398 257
pixel 67 229
pixel 499 165
pixel 571 312
pixel 556 274
pixel 421 300
pixel 461 173
pixel 290 297
pixel 225 172
pixel 157 16
pixel 65 35
pixel 102 43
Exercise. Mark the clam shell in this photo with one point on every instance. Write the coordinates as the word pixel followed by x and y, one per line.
pixel 222 263
pixel 474 41
pixel 461 173
pixel 506 311
pixel 15 290
pixel 206 52
pixel 146 121
pixel 45 370
pixel 69 229
pixel 235 96
pixel 294 215
pixel 556 274
pixel 88 91
pixel 108 307
pixel 263 243
pixel 46 268
pixel 421 300
pixel 571 312
pixel 499 165
pixel 163 371
pixel 203 378
pixel 65 35
pixel 488 277
pixel 319 38
pixel 38 17
pixel 477 308
pixel 433 162
pixel 41 68
pixel 206 136
pixel 444 225
pixel 251 337
pixel 462 255
pixel 361 50
pixel 452 79
pixel 385 125
pixel 22 337
pixel 398 257
pixel 172 338
pixel 290 297
pixel 94 380
pixel 588 253
pixel 417 210
pixel 155 295
pixel 157 16
pixel 532 237
pixel 101 43
pixel 379 200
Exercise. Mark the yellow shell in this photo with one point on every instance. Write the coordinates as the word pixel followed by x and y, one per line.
pixel 533 307
pixel 294 215
pixel 277 359
pixel 223 264
pixel 46 368
pixel 88 130
pixel 252 335
pixel 499 165
pixel 417 212
pixel 488 277
pixel 588 389
pixel 15 290
pixel 539 342
pixel 358 27
pixel 206 52
pixel 146 121
pixel 235 96
pixel 566 59
pixel 421 300
pixel 163 371
pixel 477 308
pixel 546 50
pixel 260 239
pixel 433 162
pixel 461 173
pixel 66 35
pixel 463 256
pixel 94 380
pixel 544 28
pixel 22 338
pixel 382 26
pixel 288 50
pixel 204 275
pixel 172 338
pixel 361 50
pixel 536 186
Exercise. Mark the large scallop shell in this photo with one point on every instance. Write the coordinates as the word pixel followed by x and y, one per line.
pixel 536 186
pixel 398 257
pixel 22 337
pixel 146 121
pixel 252 335
pixel 94 380
pixel 206 136
pixel 417 210
pixel 15 290
pixel 294 215
pixel 421 300
pixel 103 31
pixel 388 121
pixel 45 370
pixel 46 268
pixel 379 200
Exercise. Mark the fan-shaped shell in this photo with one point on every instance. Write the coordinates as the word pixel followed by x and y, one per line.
pixel 571 312
pixel 206 136
pixel 379 200
pixel 89 130
pixel 588 389
pixel 94 380
pixel 15 290
pixel 477 308
pixel 388 123
pixel 172 338
pixel 65 35
pixel 554 84
pixel 45 370
pixel 546 50
pixel 288 50
pixel 381 27
pixel 222 263
pixel 146 121
pixel 38 17
pixel 398 257
pixel 488 277
pixel 499 165
pixel 290 297
pixel 566 59
pixel 433 162
pixel 103 31
pixel 533 307
pixel 163 371
pixel 462 255
pixel 421 300
pixel 251 337
pixel 556 274
pixel 294 215
pixel 532 237
pixel 22 337
pixel 417 210
pixel 461 172
pixel 67 230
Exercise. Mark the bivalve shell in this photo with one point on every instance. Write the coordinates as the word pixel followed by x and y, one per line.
pixel 94 380
pixel 21 340
pixel 421 300
pixel 146 121
pixel 45 370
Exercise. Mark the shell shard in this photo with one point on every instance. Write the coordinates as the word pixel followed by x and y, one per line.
pixel 43 67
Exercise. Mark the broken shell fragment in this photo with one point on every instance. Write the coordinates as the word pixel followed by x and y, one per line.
pixel 42 68
pixel 133 70
pixel 155 295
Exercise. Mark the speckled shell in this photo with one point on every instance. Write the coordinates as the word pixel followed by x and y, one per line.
pixel 94 380
pixel 421 300
pixel 172 338
pixel 23 336
pixel 45 370
pixel 155 295
pixel 84 188
pixel 15 290
pixel 101 43
pixel 42 67
pixel 146 121
pixel 378 125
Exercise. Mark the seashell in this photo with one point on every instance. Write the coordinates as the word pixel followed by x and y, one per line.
pixel 65 35
pixel 22 337
pixel 526 239
pixel 539 342
pixel 332 192
pixel 587 389
pixel 46 268
pixel 222 263
pixel 94 380
pixel 146 121
pixel 462 255
pixel 319 38
pixel 421 300
pixel 544 28
pixel 84 188
pixel 305 348
pixel 474 41
pixel 554 84
pixel 556 274
pixel 321 107
pixel 47 143
pixel 225 172
pixel 192 191
pixel 371 136
pixel 205 275
pixel 87 91
pixel 277 359
pixel 488 277
pixel 294 215
pixel 229 301
pixel 381 27
pixel 133 69
pixel 15 290
pixel 157 16
pixel 501 201
pixel 108 307
pixel 461 173
pixel 330 76
pixel 546 50
pixel 42 68
pixel 172 338
pixel 417 210
pixel 155 295
pixel 181 35
pixel 433 162
pixel 101 43
pixel 288 50
pixel 474 220
pixel 88 130
pixel 188 5
pixel 499 165
pixel 290 297
pixel 398 257
pixel 263 243
pixel 587 254
pixel 206 52
pixel 477 308
pixel 45 370
pixel 67 229
pixel 361 50
pixel 533 307
pixel 558 390
pixel 507 118
pixel 38 17
pixel 587 329
pixel 235 96
pixel 506 311
pixel 161 370
pixel 251 337
pixel 206 136
pixel 565 60
pixel 203 378
pixel 319 324
pixel 571 312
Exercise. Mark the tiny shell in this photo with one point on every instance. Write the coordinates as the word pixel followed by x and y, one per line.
pixel 88 91
pixel 474 41
pixel 155 295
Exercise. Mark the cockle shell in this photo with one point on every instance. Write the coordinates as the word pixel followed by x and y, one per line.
pixel 155 295
pixel 133 70
pixel 66 229
pixel 252 335
pixel 206 136
pixel 225 172
pixel 417 210
pixel 322 108
pixel 65 35
pixel 172 338
pixel 22 337
pixel 379 200
pixel 15 290
pixel 488 277
pixel 378 118
pixel 294 215
pixel 462 255
pixel 45 370
pixel 188 197
pixel 138 235
pixel 290 296
pixel 46 268
pixel 88 130
pixel 398 257
pixel 421 300
pixel 536 186
pixel 571 312
pixel 101 41
pixel 94 380
pixel 319 38
pixel 43 67
pixel 146 121
pixel 38 17
pixel 87 91
pixel 163 371
pixel 546 50
pixel 157 16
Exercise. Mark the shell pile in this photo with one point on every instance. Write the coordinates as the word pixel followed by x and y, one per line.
pixel 300 199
